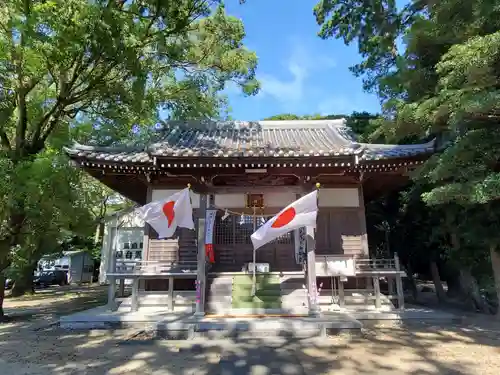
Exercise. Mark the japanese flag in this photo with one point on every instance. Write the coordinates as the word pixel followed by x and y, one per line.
pixel 168 214
pixel 301 213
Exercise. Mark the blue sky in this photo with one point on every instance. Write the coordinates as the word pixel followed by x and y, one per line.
pixel 299 72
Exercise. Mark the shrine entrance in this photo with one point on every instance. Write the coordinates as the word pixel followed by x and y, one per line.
pixel 234 250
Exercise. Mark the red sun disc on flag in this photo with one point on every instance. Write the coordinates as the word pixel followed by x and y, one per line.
pixel 284 219
pixel 168 211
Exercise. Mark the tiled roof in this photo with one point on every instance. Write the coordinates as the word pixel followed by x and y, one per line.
pixel 381 151
pixel 122 155
pixel 275 139
pixel 262 138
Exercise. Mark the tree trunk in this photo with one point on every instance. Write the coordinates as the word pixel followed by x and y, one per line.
pixel 24 282
pixel 495 265
pixel 471 289
pixel 2 295
pixel 468 283
pixel 99 233
pixel 453 281
pixel 16 221
pixel 438 285
pixel 411 281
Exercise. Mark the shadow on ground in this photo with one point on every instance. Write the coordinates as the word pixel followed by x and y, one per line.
pixel 46 307
pixel 32 344
pixel 415 349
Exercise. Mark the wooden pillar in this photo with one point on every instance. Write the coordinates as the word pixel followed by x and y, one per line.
pixel 399 283
pixel 362 220
pixel 376 288
pixel 111 305
pixel 145 240
pixel 201 259
pixel 390 285
pixel 171 294
pixel 341 293
pixel 112 268
pixel 369 284
pixel 311 272
pixel 135 294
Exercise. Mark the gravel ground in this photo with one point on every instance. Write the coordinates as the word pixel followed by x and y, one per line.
pixel 37 347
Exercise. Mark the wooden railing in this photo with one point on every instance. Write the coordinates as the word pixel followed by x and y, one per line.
pixel 374 265
pixel 134 267
pixel 346 265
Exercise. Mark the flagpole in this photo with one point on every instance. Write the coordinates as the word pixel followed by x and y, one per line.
pixel 254 281
pixel 311 265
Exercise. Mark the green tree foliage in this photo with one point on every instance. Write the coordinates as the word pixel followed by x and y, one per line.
pixel 55 210
pixel 98 70
pixel 444 83
pixel 375 25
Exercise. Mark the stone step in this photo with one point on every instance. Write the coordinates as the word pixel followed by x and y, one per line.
pixel 220 281
pixel 294 292
pixel 293 298
pixel 218 307
pixel 293 284
pixel 226 298
pixel 217 288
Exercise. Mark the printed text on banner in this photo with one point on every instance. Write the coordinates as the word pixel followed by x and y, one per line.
pixel 209 234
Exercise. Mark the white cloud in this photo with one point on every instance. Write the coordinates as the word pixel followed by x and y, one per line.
pixel 300 64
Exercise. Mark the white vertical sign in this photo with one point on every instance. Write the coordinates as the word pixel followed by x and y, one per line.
pixel 209 234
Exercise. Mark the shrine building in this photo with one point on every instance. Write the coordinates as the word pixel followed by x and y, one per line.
pixel 245 172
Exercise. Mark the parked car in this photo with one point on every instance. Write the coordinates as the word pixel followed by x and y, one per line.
pixel 46 278
pixel 9 283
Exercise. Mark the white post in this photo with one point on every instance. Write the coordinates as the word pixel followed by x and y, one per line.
pixel 171 294
pixel 399 284
pixel 200 260
pixel 112 269
pixel 311 272
pixel 341 293
pixel 135 292
pixel 254 258
pixel 376 287
pixel 390 285
pixel 111 293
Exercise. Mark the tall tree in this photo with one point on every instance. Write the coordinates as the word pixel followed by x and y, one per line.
pixel 110 66
pixel 375 26
pixel 56 209
pixel 444 83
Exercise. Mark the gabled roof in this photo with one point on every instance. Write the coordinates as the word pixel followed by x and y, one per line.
pixel 244 139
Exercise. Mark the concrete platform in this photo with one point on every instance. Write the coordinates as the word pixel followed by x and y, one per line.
pixel 407 315
pixel 187 325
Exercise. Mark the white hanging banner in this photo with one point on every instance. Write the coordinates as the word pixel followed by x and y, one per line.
pixel 300 245
pixel 209 234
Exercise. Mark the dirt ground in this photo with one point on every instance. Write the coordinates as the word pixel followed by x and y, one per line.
pixel 33 344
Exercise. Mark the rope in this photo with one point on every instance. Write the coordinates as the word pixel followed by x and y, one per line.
pixel 241 213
